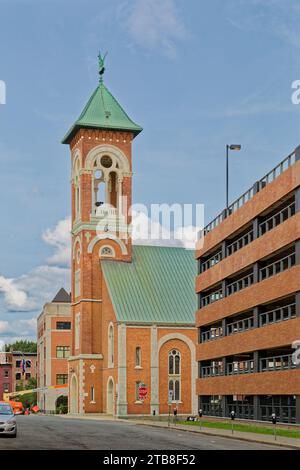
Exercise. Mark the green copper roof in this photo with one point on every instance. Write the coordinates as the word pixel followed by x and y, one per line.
pixel 103 112
pixel 157 287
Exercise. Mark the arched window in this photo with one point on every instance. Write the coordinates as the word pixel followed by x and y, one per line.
pixel 110 346
pixel 138 357
pixel 107 251
pixel 107 182
pixel 174 362
pixel 174 365
pixel 77 188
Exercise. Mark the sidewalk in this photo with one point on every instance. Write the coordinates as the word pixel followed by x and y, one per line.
pixel 242 436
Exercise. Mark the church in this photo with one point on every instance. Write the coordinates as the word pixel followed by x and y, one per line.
pixel 133 329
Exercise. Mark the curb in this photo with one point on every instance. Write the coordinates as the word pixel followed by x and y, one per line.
pixel 211 433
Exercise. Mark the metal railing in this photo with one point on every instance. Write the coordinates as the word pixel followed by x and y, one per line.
pixel 211 371
pixel 277 267
pixel 240 367
pixel 210 335
pixel 240 284
pixel 276 363
pixel 211 261
pixel 240 325
pixel 277 315
pixel 277 219
pixel 239 243
pixel 211 298
pixel 264 181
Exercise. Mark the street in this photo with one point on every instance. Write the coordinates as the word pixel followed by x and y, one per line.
pixel 58 433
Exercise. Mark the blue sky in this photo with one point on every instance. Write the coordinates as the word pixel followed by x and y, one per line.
pixel 196 76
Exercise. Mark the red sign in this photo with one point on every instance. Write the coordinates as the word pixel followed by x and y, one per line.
pixel 142 393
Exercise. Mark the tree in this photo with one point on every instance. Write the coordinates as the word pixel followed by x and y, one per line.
pixel 24 346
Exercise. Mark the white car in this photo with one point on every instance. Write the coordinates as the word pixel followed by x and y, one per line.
pixel 8 425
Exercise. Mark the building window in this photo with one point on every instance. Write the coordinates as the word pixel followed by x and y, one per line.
pixel 62 352
pixel 107 251
pixel 137 386
pixel 174 362
pixel 61 379
pixel 110 346
pixel 77 330
pixel 6 373
pixel 5 388
pixel 174 375
pixel 27 375
pixel 63 325
pixel 138 357
pixel 28 364
pixel 18 364
pixel 77 283
pixel 18 376
pixel 92 394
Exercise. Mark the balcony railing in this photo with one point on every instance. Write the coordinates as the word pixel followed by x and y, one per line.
pixel 211 261
pixel 211 371
pixel 211 298
pixel 240 325
pixel 239 243
pixel 240 284
pixel 277 363
pixel 240 367
pixel 277 267
pixel 277 219
pixel 277 315
pixel 267 179
pixel 213 333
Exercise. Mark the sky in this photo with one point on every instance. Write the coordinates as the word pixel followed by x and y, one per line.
pixel 195 75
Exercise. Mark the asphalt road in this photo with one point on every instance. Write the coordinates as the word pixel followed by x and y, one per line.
pixel 47 432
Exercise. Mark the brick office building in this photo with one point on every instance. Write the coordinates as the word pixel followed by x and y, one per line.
pixel 248 289
pixel 132 306
pixel 53 347
pixel 21 376
pixel 6 382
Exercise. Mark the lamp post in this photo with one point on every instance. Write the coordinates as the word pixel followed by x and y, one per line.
pixel 229 147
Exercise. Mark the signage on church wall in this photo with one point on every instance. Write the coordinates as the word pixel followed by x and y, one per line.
pixel 2 92
pixel 143 392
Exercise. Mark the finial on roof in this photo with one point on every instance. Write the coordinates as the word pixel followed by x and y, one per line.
pixel 101 65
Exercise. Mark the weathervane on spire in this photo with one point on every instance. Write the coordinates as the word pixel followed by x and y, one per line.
pixel 101 65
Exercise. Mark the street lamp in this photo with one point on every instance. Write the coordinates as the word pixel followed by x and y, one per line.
pixel 229 147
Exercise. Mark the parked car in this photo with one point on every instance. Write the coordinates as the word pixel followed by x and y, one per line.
pixel 8 425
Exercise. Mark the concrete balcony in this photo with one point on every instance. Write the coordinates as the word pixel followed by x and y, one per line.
pixel 277 286
pixel 270 336
pixel 281 382
pixel 271 241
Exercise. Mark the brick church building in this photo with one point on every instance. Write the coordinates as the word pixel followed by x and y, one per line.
pixel 132 306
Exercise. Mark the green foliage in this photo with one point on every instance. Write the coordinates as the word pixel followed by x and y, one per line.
pixel 244 428
pixel 24 346
pixel 62 405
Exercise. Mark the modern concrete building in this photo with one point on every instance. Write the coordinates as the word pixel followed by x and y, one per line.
pixel 248 288
pixel 53 347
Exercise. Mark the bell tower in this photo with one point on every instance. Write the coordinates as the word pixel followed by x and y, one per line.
pixel 101 176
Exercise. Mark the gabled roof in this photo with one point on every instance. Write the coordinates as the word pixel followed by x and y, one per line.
pixel 102 112
pixel 157 287
pixel 62 296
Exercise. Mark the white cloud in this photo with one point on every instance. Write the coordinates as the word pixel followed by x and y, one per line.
pixel 154 25
pixel 17 329
pixel 60 239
